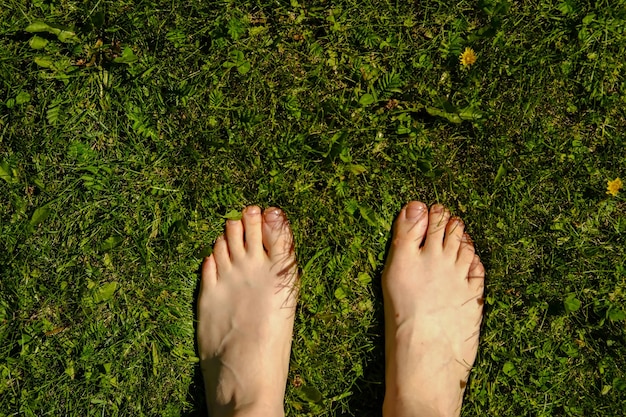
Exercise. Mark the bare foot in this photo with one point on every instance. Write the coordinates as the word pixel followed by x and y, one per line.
pixel 246 311
pixel 432 286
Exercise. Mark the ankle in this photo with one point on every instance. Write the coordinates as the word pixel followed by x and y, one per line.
pixel 229 398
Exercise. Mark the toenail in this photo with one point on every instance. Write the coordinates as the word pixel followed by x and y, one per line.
pixel 414 212
pixel 272 215
pixel 253 210
pixel 437 208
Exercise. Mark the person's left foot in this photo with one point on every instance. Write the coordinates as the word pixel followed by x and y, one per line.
pixel 246 309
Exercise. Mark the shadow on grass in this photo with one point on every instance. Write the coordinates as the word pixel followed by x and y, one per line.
pixel 195 394
pixel 369 392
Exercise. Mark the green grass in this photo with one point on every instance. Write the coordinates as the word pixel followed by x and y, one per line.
pixel 120 158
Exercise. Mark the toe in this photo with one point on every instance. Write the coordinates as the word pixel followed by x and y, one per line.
pixel 476 275
pixel 209 272
pixel 221 254
pixel 466 251
pixel 453 237
pixel 277 236
pixel 234 238
pixel 437 221
pixel 252 223
pixel 207 282
pixel 410 225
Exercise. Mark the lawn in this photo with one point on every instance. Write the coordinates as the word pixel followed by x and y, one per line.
pixel 129 132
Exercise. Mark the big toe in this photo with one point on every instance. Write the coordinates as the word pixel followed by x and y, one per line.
pixel 411 224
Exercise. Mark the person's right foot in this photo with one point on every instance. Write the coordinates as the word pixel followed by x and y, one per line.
pixel 432 286
pixel 246 310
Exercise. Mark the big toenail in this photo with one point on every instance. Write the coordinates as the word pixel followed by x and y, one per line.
pixel 414 212
pixel 272 215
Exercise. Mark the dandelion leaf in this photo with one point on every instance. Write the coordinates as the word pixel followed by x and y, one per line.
pixel 104 292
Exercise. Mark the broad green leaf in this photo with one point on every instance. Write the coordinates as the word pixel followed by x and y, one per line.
pixel 366 100
pixel 236 56
pixel 452 117
pixel 469 113
pixel 589 18
pixel 340 293
pixel 5 172
pixel 62 33
pixel 309 394
pixel 37 42
pixel 509 369
pixel 105 292
pixel 39 216
pixel 70 371
pixel 44 62
pixel 244 67
pixel 111 243
pixel 424 166
pixel 80 151
pixel 128 57
pixel 205 252
pixel 566 7
pixel 364 278
pixel 571 303
pixel 369 215
pixel 22 97
pixel 619 384
pixel 357 169
pixel 39 27
pixel 65 35
pixel 233 215
pixel 616 314
pixel 25 339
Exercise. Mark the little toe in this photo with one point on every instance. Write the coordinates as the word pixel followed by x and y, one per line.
pixel 410 225
pixel 252 222
pixel 221 254
pixel 438 218
pixel 454 236
pixel 476 275
pixel 277 236
pixel 234 238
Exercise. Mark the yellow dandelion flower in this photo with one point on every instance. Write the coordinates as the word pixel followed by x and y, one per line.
pixel 468 57
pixel 613 187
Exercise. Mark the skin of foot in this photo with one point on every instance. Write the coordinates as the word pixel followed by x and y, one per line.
pixel 433 284
pixel 246 309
